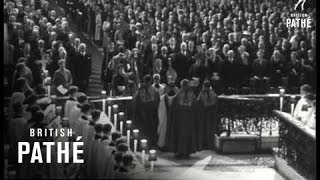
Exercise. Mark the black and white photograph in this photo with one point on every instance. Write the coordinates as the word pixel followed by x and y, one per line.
pixel 159 89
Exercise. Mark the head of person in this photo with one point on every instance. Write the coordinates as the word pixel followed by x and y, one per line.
pixel 156 78
pixel 82 48
pixel 62 63
pixel 305 89
pixel 115 135
pixel 127 160
pixel 310 98
pixel 147 80
pixel 98 128
pixel 82 98
pixel 95 115
pixel 106 129
pixel 118 158
pixel 183 47
pixel 73 91
pixel 184 84
pixel 86 109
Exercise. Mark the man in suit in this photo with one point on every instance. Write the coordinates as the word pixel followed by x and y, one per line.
pixel 82 67
pixel 181 62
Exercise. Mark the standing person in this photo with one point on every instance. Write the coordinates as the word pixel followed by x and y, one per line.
pixel 180 62
pixel 72 101
pixel 98 26
pixel 182 134
pixel 146 106
pixel 301 109
pixel 62 76
pixel 208 119
pixel 120 82
pixel 82 64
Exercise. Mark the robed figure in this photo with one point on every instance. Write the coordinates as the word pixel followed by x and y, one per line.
pixel 208 117
pixel 182 122
pixel 146 110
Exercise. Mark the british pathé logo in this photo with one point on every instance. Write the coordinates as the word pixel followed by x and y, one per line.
pixel 299 19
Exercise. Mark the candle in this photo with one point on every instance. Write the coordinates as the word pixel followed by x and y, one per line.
pixel 152 155
pixel 152 159
pixel 103 93
pixel 135 139
pixel 143 146
pixel 282 92
pixel 293 99
pixel 128 131
pixel 109 111
pixel 115 111
pixel 121 117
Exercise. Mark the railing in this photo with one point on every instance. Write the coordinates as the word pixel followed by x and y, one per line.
pixel 297 145
pixel 252 114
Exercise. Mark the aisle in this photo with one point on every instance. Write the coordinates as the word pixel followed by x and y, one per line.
pixel 95 85
pixel 212 166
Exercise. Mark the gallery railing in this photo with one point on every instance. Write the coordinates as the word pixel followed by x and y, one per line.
pixel 297 145
pixel 252 114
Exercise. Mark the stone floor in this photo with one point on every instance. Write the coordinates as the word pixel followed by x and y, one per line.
pixel 212 166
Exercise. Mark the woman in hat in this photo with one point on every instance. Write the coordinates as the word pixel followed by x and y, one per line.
pixel 62 76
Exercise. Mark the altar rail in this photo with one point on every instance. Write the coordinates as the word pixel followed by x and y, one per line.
pixel 250 114
pixel 297 145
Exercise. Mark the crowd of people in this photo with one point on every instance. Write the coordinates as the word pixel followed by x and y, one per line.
pixel 235 45
pixel 174 58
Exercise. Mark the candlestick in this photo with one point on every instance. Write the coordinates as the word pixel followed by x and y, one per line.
pixel 135 133
pixel 282 92
pixel 103 93
pixel 115 121
pixel 121 117
pixel 109 112
pixel 142 157
pixel 128 138
pixel 121 127
pixel 143 145
pixel 128 124
pixel 152 165
pixel 115 114
pixel 152 159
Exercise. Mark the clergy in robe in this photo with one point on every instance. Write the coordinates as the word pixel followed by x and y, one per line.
pixel 83 120
pixel 146 110
pixel 208 117
pixel 75 112
pixel 163 110
pixel 89 132
pixel 183 120
pixel 91 165
pixel 103 151
pixel 16 130
pixel 72 101
pixel 301 109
